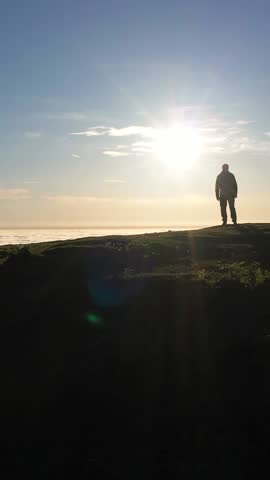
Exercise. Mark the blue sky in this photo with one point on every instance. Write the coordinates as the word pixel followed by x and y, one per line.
pixel 68 67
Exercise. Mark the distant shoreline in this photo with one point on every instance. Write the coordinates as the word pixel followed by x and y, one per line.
pixel 109 227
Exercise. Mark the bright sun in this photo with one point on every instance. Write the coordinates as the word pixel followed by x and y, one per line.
pixel 178 147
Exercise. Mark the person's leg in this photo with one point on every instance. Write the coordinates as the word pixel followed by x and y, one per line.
pixel 223 208
pixel 232 210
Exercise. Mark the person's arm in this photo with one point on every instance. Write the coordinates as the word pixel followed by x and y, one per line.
pixel 217 189
pixel 235 187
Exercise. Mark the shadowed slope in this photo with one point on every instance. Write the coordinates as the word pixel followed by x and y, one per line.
pixel 115 367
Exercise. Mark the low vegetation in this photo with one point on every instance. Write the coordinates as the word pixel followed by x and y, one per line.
pixel 248 275
pixel 212 256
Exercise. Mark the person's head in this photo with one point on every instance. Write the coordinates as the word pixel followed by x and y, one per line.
pixel 225 167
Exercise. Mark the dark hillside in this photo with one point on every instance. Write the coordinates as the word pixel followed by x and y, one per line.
pixel 137 356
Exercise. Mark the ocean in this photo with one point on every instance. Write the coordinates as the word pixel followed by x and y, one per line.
pixel 24 236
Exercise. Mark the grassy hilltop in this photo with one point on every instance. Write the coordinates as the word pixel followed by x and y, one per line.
pixel 213 255
pixel 144 355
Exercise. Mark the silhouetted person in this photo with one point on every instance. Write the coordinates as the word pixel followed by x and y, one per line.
pixel 226 191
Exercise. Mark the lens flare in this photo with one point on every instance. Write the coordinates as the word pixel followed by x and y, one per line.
pixel 94 319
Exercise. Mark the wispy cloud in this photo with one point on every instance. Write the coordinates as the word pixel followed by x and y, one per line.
pixel 249 145
pixel 141 131
pixel 218 135
pixel 77 200
pixel 115 153
pixel 30 182
pixel 114 181
pixel 142 147
pixel 118 132
pixel 32 134
pixel 75 155
pixel 89 133
pixel 15 194
pixel 244 122
pixel 93 132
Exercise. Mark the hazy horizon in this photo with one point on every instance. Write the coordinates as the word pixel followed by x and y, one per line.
pixel 119 227
pixel 101 226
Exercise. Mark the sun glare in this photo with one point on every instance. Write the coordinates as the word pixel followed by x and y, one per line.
pixel 178 147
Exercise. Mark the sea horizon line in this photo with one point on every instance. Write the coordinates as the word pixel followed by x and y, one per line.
pixel 101 227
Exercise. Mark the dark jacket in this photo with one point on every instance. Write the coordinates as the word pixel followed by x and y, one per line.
pixel 226 185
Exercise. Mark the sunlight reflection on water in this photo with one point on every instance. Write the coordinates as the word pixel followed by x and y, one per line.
pixel 20 237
